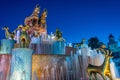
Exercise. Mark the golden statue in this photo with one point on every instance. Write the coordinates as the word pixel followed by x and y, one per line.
pixel 32 20
pixel 36 11
pixel 37 24
pixel 24 38
pixel 42 20
pixel 104 69
pixel 81 43
pixel 8 34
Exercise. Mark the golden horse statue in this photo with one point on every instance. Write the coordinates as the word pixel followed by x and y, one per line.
pixel 24 38
pixel 8 34
pixel 42 19
pixel 36 11
pixel 104 69
pixel 32 20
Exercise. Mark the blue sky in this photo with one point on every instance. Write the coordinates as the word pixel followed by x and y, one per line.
pixel 76 18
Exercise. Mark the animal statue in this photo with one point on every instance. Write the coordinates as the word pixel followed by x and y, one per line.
pixel 8 34
pixel 36 11
pixel 24 38
pixel 42 19
pixel 104 69
pixel 32 20
pixel 81 43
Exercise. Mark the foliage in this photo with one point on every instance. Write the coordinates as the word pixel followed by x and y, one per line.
pixel 94 43
pixel 58 34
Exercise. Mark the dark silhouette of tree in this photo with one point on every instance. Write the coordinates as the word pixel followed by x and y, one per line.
pixel 94 43
pixel 58 34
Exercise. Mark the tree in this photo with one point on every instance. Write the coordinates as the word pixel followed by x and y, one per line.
pixel 94 43
pixel 58 34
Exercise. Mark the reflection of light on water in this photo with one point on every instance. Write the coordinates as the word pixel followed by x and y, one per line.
pixel 16 75
pixel 114 71
pixel 61 73
pixel 21 64
pixel 53 74
pixel 5 60
pixel 6 46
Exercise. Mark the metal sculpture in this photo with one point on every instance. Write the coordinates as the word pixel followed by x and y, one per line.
pixel 104 69
pixel 24 38
pixel 81 43
pixel 8 34
pixel 42 19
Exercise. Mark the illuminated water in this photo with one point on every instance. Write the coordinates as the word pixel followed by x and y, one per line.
pixel 5 61
pixel 48 66
pixel 48 47
pixel 6 46
pixel 21 64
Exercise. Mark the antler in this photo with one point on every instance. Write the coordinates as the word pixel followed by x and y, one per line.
pixel 104 50
pixel 107 52
pixel 111 53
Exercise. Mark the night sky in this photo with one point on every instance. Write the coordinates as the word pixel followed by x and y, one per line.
pixel 76 18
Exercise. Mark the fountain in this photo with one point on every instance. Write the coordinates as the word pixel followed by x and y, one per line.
pixel 6 46
pixel 21 64
pixel 5 61
pixel 46 64
pixel 42 56
pixel 5 58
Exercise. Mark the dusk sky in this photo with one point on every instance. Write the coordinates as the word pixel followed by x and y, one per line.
pixel 76 18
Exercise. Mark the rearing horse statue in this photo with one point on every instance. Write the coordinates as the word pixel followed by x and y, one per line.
pixel 43 19
pixel 104 69
pixel 32 20
pixel 24 38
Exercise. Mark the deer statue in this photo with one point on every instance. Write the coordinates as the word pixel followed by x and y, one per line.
pixel 8 34
pixel 104 69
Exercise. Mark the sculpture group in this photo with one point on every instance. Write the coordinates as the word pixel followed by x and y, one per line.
pixel 104 69
pixel 34 26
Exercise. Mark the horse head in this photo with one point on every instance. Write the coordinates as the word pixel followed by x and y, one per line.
pixel 36 11
pixel 44 14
